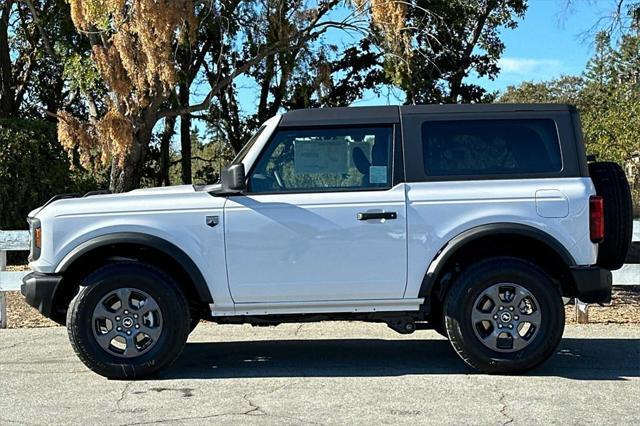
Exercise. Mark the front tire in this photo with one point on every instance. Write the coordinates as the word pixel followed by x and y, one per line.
pixel 504 315
pixel 129 320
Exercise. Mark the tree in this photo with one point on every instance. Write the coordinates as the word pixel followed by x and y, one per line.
pixel 611 98
pixel 564 90
pixel 451 39
pixel 607 96
pixel 35 35
pixel 133 46
pixel 622 17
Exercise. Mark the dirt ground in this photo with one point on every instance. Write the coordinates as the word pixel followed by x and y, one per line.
pixel 623 309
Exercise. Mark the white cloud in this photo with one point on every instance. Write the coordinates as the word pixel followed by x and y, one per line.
pixel 530 68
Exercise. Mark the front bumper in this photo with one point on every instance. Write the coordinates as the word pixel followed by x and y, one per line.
pixel 39 289
pixel 593 284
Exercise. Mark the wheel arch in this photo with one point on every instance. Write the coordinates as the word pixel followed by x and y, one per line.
pixel 498 239
pixel 130 245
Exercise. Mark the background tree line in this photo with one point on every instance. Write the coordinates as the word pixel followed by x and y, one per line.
pixel 130 93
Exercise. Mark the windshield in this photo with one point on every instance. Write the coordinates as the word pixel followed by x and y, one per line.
pixel 245 149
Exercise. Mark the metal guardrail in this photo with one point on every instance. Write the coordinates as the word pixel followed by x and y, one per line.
pixel 629 274
pixel 10 281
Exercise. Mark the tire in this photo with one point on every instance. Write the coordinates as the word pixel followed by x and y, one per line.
pixel 612 185
pixel 468 292
pixel 193 324
pixel 437 321
pixel 163 312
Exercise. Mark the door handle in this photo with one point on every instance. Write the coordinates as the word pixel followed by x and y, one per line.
pixel 377 215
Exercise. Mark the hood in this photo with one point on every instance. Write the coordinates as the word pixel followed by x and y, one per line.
pixel 177 189
pixel 167 197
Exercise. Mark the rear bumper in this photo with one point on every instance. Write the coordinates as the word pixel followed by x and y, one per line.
pixel 593 284
pixel 38 290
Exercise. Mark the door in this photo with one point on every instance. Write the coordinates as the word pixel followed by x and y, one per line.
pixel 321 220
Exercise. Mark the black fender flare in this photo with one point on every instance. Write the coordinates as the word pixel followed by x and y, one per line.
pixel 146 240
pixel 501 228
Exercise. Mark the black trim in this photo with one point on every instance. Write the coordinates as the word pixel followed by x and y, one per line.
pixel 398 156
pixel 341 116
pixel 39 289
pixel 98 192
pixel 492 229
pixel 579 142
pixel 149 241
pixel 377 215
pixel 484 108
pixel 593 284
pixel 61 197
pixel 412 137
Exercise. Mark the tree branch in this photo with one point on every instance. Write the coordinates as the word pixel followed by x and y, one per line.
pixel 314 29
pixel 43 35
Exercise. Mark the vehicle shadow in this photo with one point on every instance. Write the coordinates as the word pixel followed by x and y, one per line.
pixel 580 359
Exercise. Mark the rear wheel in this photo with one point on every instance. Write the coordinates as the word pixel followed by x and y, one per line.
pixel 129 320
pixel 504 315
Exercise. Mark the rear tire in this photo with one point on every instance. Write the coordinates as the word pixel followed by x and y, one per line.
pixel 479 315
pixel 129 320
pixel 612 185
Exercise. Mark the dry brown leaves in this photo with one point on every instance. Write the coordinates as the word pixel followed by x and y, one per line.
pixel 135 59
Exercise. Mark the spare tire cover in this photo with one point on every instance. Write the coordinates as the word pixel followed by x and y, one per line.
pixel 612 185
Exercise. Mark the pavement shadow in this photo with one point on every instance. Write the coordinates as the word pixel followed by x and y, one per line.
pixel 580 359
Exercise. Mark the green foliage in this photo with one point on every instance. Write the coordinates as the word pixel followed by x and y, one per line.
pixel 81 73
pixel 452 39
pixel 607 96
pixel 564 90
pixel 33 168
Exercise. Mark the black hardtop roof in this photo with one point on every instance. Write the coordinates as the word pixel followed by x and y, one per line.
pixel 391 113
pixel 471 108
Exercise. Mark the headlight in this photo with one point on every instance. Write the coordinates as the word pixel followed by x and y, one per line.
pixel 35 235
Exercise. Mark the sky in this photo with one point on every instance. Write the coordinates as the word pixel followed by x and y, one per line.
pixel 548 42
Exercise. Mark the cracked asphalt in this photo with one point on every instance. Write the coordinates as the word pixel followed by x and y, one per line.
pixel 328 373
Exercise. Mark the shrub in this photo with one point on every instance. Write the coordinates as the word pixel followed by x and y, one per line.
pixel 33 168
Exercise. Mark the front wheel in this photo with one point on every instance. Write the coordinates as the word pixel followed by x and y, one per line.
pixel 129 320
pixel 504 315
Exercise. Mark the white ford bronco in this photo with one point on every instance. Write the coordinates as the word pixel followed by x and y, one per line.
pixel 473 220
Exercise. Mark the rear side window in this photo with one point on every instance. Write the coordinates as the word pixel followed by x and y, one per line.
pixel 490 147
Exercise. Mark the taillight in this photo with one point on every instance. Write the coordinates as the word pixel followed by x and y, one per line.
pixel 596 218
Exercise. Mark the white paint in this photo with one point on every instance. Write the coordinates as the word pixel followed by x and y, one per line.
pixel 307 247
pixel 439 211
pixel 551 203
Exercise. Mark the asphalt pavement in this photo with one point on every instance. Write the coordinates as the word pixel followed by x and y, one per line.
pixel 328 373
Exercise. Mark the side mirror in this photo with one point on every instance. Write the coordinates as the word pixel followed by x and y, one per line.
pixel 232 178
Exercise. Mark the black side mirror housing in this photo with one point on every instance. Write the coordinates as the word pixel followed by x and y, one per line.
pixel 233 179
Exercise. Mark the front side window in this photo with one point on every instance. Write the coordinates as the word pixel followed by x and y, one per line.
pixel 324 159
pixel 490 147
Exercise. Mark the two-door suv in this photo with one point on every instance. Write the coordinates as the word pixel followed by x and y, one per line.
pixel 474 220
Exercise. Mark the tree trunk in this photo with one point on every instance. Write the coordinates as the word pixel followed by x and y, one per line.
pixel 127 174
pixel 185 135
pixel 8 106
pixel 165 141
